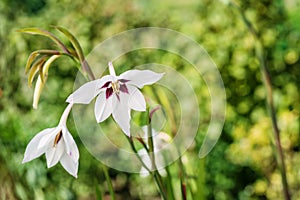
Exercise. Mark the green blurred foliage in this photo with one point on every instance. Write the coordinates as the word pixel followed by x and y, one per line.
pixel 241 166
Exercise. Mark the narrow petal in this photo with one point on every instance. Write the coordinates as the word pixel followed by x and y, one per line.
pixel 33 150
pixel 111 69
pixel 87 92
pixel 145 158
pixel 121 112
pixel 70 145
pixel 69 165
pixel 140 78
pixel 103 107
pixel 136 99
pixel 54 154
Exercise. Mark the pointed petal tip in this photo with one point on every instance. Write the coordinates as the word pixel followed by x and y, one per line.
pixel 25 160
pixel 127 133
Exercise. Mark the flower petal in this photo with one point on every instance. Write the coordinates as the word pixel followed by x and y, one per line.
pixel 54 154
pixel 145 158
pixel 121 112
pixel 69 165
pixel 33 150
pixel 48 139
pixel 136 99
pixel 71 147
pixel 87 92
pixel 140 78
pixel 103 107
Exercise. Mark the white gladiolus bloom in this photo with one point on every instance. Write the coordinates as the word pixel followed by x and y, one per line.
pixel 117 95
pixel 58 145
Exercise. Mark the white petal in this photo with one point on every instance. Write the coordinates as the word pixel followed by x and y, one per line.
pixel 32 151
pixel 111 69
pixel 87 92
pixel 144 172
pixel 140 78
pixel 54 154
pixel 136 100
pixel 145 158
pixel 121 112
pixel 70 145
pixel 103 107
pixel 69 165
pixel 48 139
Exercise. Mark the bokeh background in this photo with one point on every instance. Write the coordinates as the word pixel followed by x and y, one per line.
pixel 241 166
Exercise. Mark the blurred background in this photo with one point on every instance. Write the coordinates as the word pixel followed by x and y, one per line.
pixel 241 166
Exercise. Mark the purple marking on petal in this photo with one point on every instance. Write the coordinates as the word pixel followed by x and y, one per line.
pixel 118 97
pixel 106 84
pixel 109 92
pixel 70 153
pixel 123 80
pixel 123 88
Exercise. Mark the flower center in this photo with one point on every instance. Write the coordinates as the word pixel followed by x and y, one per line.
pixel 116 87
pixel 57 138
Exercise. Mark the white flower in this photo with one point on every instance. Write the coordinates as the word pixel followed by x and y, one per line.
pixel 58 145
pixel 159 141
pixel 117 95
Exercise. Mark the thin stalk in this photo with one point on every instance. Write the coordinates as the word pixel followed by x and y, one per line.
pixel 109 183
pixel 182 179
pixel 136 153
pixel 169 186
pixel 157 178
pixel 151 146
pixel 270 104
pixel 276 132
pixel 151 153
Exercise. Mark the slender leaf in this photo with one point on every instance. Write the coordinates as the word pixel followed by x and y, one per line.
pixel 73 41
pixel 85 66
pixel 98 192
pixel 37 31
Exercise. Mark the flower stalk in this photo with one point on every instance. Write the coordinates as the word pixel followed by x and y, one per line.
pixel 269 101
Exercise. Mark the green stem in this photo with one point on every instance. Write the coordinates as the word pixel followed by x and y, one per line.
pixel 272 113
pixel 155 174
pixel 151 153
pixel 270 104
pixel 151 146
pixel 109 183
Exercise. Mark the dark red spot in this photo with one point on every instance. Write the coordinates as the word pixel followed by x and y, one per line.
pixel 123 80
pixel 106 84
pixel 123 88
pixel 109 92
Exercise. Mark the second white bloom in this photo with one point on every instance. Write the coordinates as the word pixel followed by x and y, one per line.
pixel 117 95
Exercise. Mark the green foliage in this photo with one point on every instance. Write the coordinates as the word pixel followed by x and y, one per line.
pixel 241 166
